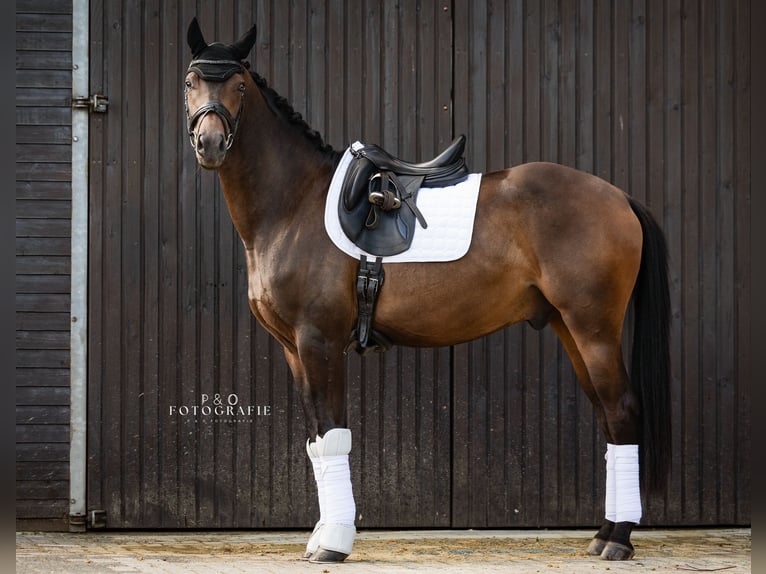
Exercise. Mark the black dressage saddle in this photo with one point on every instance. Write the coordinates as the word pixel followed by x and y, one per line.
pixel 378 202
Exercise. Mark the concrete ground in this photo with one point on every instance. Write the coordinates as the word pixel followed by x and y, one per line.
pixel 451 551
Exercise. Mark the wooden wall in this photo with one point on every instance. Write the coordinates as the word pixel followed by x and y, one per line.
pixel 649 94
pixel 43 193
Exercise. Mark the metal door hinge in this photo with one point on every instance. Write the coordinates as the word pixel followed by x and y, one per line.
pixel 95 103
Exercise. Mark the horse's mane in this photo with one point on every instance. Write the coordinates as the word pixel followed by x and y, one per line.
pixel 286 110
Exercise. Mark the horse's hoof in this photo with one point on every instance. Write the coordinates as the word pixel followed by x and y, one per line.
pixel 322 556
pixel 307 555
pixel 617 551
pixel 596 546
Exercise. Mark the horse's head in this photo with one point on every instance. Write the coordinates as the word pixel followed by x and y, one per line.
pixel 214 94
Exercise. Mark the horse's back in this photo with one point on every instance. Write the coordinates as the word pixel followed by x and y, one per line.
pixel 554 203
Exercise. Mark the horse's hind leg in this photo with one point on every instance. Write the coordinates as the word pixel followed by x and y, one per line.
pixel 598 363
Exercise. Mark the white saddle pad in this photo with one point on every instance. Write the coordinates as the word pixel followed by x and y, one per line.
pixel 449 212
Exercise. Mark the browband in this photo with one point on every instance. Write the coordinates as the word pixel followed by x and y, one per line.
pixel 215 70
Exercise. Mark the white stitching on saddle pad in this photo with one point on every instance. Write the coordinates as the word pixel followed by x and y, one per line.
pixel 449 212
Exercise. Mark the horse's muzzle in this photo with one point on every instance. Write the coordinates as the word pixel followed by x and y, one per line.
pixel 210 149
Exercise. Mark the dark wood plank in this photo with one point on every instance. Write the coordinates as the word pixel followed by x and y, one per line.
pixel 55 79
pixel 707 425
pixel 688 451
pixel 42 228
pixel 42 490
pixel 44 153
pixel 42 340
pixel 43 209
pixel 41 171
pixel 42 452
pixel 673 227
pixel 42 246
pixel 34 377
pixel 43 284
pixel 36 471
pixel 43 190
pixel 602 105
pixel 43 22
pixel 42 321
pixel 40 134
pixel 44 60
pixel 132 271
pixel 168 273
pixel 39 98
pixel 33 358
pixel 37 415
pixel 51 508
pixel 745 344
pixel 96 152
pixel 725 312
pixel 44 7
pixel 49 396
pixel 42 302
pixel 33 40
pixel 42 433
pixel 42 264
pixel 585 88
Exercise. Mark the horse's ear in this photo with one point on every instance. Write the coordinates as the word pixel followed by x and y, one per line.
pixel 243 46
pixel 194 38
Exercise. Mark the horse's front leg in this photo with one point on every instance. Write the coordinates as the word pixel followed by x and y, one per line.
pixel 318 368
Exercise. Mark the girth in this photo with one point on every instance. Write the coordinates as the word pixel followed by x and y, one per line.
pixel 378 204
pixel 369 281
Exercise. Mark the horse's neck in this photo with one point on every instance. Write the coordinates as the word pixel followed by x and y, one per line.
pixel 271 176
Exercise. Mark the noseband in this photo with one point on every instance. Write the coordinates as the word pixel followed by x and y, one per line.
pixel 231 124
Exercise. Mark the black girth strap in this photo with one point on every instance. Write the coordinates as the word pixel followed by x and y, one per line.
pixel 369 280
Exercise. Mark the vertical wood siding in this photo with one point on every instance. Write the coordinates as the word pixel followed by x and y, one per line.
pixel 43 194
pixel 650 95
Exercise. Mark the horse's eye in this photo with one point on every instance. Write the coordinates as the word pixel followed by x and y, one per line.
pixel 188 84
pixel 242 87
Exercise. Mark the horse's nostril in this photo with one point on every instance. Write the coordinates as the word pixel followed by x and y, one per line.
pixel 201 142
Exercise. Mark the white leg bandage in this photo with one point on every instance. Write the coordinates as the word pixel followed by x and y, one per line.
pixel 624 475
pixel 336 529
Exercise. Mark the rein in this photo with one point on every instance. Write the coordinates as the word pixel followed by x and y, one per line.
pixel 231 124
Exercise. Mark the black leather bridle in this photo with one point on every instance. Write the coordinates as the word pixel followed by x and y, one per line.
pixel 231 124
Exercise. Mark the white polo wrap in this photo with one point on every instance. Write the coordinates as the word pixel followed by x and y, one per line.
pixel 623 498
pixel 335 530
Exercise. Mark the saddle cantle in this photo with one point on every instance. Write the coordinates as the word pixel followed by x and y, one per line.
pixel 378 208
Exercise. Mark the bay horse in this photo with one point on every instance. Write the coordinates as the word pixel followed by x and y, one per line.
pixel 551 245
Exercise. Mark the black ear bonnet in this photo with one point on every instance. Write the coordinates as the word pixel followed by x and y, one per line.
pixel 217 62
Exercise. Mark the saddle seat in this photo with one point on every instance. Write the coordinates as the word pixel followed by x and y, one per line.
pixel 451 155
pixel 378 200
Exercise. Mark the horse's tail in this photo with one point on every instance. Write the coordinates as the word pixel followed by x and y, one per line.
pixel 650 363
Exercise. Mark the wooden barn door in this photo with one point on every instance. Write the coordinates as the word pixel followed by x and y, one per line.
pixel 494 433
